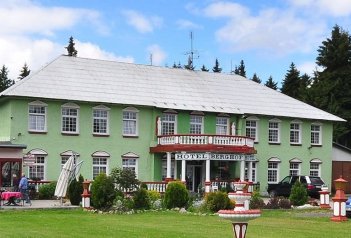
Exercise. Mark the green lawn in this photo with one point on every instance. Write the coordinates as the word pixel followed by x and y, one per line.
pixel 77 223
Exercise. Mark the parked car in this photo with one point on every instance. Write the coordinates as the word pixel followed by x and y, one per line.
pixel 348 207
pixel 283 188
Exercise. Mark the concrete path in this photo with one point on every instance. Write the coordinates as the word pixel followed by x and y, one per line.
pixel 41 204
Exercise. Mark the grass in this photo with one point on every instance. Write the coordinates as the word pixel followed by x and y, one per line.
pixel 77 223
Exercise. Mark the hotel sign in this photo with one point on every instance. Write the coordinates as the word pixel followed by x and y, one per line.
pixel 213 156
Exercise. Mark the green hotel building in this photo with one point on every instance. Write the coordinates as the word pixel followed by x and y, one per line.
pixel 202 128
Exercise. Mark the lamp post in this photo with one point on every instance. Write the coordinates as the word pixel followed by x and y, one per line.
pixel 324 198
pixel 86 194
pixel 339 201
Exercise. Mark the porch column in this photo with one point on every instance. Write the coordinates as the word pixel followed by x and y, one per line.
pixel 242 170
pixel 207 179
pixel 249 171
pixel 168 177
pixel 183 171
pixel 175 169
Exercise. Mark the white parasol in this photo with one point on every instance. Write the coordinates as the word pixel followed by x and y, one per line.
pixel 64 179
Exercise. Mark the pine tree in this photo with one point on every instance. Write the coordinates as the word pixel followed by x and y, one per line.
pixel 203 68
pixel 241 69
pixel 236 70
pixel 5 82
pixel 291 83
pixel 189 66
pixel 24 72
pixel 271 84
pixel 174 65
pixel 216 68
pixel 256 79
pixel 70 48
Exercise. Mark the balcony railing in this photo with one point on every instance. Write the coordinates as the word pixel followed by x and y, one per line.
pixel 205 140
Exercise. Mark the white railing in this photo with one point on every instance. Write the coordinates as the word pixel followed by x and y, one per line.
pixel 205 140
pixel 156 186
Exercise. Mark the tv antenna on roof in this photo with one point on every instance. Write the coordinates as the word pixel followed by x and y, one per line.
pixel 191 53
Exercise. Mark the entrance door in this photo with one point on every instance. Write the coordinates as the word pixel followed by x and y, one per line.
pixel 193 177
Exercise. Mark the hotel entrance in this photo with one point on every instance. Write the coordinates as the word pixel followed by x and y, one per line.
pixel 194 175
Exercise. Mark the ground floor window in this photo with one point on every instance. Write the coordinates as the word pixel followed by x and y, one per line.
pixel 130 164
pixel 273 169
pixel 64 159
pixel 99 166
pixel 37 170
pixel 164 169
pixel 253 171
pixel 294 169
pixel 315 169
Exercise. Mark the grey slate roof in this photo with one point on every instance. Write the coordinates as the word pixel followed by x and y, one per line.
pixel 91 80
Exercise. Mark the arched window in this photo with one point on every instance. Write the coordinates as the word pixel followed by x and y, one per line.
pixel 100 163
pixel 295 166
pixel 273 170
pixel 130 161
pixel 315 167
pixel 37 170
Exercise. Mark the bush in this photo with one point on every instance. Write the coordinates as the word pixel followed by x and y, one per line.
pixel 141 199
pixel 153 195
pixel 273 203
pixel 176 195
pixel 125 179
pixel 102 192
pixel 284 203
pixel 47 191
pixel 216 201
pixel 298 195
pixel 75 191
pixel 256 201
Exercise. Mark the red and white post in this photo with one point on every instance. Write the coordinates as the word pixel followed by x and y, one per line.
pixel 324 198
pixel 86 194
pixel 339 201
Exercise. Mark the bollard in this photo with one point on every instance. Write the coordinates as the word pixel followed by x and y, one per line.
pixel 324 198
pixel 339 201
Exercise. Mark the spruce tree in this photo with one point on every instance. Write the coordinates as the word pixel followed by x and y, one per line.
pixel 291 83
pixel 256 79
pixel 71 50
pixel 271 84
pixel 24 72
pixel 241 69
pixel 216 68
pixel 203 68
pixel 5 82
pixel 189 66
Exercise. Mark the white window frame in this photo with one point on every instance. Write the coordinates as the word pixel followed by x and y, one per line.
pixel 273 170
pixel 70 106
pixel 316 134
pixel 222 125
pixel 164 168
pixel 40 162
pixel 100 120
pixel 196 124
pixel 253 171
pixel 294 169
pixel 295 133
pixel 130 117
pixel 251 128
pixel 130 163
pixel 274 131
pixel 169 118
pixel 315 162
pixel 101 163
pixel 36 116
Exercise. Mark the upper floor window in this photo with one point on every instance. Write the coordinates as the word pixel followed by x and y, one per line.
pixel 37 116
pixel 196 124
pixel 295 132
pixel 130 121
pixel 316 134
pixel 169 123
pixel 222 127
pixel 130 161
pixel 100 163
pixel 70 118
pixel 252 128
pixel 274 131
pixel 101 120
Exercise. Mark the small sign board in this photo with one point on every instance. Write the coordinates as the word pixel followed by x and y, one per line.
pixel 28 160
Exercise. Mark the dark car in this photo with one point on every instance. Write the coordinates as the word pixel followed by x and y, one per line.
pixel 283 188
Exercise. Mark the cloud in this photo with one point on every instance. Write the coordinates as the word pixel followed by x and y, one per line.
pixel 186 24
pixel 272 31
pixel 29 18
pixel 141 23
pixel 308 67
pixel 89 50
pixel 158 55
pixel 335 8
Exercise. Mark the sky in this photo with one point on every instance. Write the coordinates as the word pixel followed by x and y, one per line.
pixel 268 35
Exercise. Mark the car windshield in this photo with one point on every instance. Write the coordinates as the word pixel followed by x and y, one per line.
pixel 316 180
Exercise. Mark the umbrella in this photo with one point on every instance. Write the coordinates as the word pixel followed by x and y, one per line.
pixel 63 180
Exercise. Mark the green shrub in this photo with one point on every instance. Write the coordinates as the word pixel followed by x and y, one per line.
pixel 298 195
pixel 141 199
pixel 153 195
pixel 47 191
pixel 176 195
pixel 125 179
pixel 256 201
pixel 102 192
pixel 215 201
pixel 75 191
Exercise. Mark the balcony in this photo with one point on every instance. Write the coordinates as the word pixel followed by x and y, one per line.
pixel 204 143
